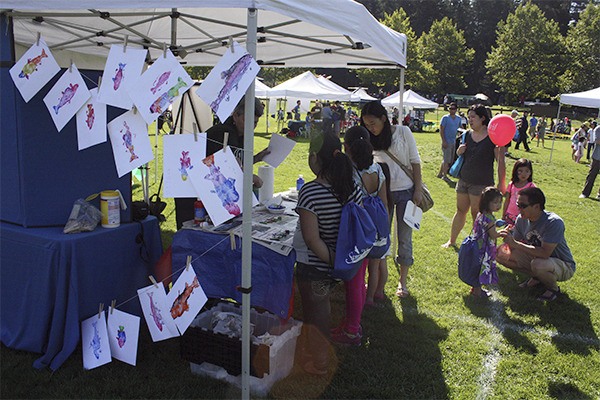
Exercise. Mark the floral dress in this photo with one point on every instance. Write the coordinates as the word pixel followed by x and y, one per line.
pixel 488 275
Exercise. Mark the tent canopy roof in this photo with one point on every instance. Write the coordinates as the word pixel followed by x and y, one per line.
pixel 589 98
pixel 361 94
pixel 409 99
pixel 290 33
pixel 307 86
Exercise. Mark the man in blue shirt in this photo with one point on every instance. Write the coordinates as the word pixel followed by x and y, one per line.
pixel 448 128
pixel 538 247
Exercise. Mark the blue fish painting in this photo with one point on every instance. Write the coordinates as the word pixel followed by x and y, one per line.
pixel 232 77
pixel 66 96
pixel 224 187
pixel 95 342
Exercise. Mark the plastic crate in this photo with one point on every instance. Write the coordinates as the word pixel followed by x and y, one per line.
pixel 219 356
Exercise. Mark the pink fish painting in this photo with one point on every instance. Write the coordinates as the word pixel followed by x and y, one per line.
pixel 66 96
pixel 118 78
pixel 158 82
pixel 231 78
pixel 128 141
pixel 90 116
pixel 31 65
pixel 155 312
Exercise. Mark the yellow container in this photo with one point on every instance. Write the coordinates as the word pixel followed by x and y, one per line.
pixel 110 207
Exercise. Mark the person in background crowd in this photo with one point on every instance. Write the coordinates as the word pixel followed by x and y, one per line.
pixel 464 122
pixel 327 114
pixel 541 132
pixel 296 111
pixel 522 178
pixel 591 138
pixel 594 166
pixel 448 129
pixel 523 132
pixel 477 171
pixel 234 125
pixel 533 122
pixel 538 247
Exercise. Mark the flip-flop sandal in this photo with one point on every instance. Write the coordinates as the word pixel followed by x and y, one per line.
pixel 529 283
pixel 402 292
pixel 553 294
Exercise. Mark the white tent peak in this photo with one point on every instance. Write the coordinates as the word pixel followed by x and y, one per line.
pixel 409 99
pixel 308 86
pixel 361 94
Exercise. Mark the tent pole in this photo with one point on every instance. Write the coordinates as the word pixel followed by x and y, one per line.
pixel 247 215
pixel 555 130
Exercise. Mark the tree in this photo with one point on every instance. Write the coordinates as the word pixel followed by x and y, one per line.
pixel 529 55
pixel 583 45
pixel 444 48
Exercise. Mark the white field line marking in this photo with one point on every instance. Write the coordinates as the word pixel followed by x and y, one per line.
pixel 442 216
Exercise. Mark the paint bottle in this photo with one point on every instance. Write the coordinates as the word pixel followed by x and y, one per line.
pixel 199 212
pixel 299 182
pixel 110 207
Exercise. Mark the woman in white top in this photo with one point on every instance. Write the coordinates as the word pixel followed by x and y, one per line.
pixel 400 142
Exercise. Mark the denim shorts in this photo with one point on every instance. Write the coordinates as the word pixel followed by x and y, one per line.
pixel 473 190
pixel 404 232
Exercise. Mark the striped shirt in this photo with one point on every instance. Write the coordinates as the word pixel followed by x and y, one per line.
pixel 319 200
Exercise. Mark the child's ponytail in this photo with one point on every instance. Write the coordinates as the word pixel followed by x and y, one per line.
pixel 336 167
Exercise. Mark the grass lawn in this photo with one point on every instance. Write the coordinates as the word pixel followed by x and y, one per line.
pixel 438 343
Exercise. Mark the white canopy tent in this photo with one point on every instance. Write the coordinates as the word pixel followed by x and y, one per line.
pixel 308 86
pixel 410 99
pixel 361 94
pixel 335 87
pixel 589 99
pixel 284 33
pixel 260 89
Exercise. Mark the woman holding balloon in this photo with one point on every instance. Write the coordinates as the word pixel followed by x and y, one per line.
pixel 482 146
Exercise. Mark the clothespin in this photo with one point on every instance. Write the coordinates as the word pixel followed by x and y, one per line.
pixel 71 65
pixel 195 130
pixel 113 304
pixel 100 309
pixel 164 50
pixel 125 43
pixel 232 240
pixel 231 44
pixel 225 140
pixel 153 281
pixel 37 41
pixel 188 262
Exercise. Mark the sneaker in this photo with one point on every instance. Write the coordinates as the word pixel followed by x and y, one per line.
pixel 346 339
pixel 582 196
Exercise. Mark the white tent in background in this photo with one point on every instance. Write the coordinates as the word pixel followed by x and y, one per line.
pixel 361 94
pixel 588 99
pixel 260 89
pixel 334 86
pixel 410 99
pixel 307 86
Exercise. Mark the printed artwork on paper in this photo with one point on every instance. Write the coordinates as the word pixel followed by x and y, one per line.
pixel 66 97
pixel 185 299
pixel 181 153
pixel 121 71
pixel 94 342
pixel 218 181
pixel 156 312
pixel 130 142
pixel 228 81
pixel 156 89
pixel 91 122
pixel 280 148
pixel 33 70
pixel 123 335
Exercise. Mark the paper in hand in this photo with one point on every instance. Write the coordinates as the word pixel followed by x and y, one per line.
pixel 413 215
pixel 280 147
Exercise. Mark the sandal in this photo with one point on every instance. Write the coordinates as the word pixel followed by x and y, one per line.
pixel 402 292
pixel 529 283
pixel 549 295
pixel 483 294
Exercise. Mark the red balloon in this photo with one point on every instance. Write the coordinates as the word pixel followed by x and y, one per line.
pixel 502 129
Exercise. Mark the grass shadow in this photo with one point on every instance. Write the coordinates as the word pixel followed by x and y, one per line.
pixel 566 391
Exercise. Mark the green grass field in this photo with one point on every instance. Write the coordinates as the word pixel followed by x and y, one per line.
pixel 438 343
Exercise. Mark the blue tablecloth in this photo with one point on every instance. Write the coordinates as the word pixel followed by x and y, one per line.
pixel 219 269
pixel 51 281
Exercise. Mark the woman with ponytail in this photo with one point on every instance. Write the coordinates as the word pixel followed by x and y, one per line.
pixel 319 209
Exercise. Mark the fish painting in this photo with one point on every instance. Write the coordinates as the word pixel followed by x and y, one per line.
pixel 165 99
pixel 232 77
pixel 186 163
pixel 66 96
pixel 95 342
pixel 155 312
pixel 32 64
pixel 89 116
pixel 128 141
pixel 118 78
pixel 223 187
pixel 121 337
pixel 180 305
pixel 161 80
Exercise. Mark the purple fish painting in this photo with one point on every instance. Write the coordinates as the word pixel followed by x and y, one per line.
pixel 95 342
pixel 67 96
pixel 185 163
pixel 31 65
pixel 223 187
pixel 155 312
pixel 128 141
pixel 90 116
pixel 161 80
pixel 118 78
pixel 121 337
pixel 165 99
pixel 232 77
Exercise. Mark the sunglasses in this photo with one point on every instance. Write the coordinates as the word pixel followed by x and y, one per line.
pixel 452 108
pixel 522 206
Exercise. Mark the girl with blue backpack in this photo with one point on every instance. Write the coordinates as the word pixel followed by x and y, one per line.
pixel 319 209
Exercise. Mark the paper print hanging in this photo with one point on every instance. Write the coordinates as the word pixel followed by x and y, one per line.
pixel 218 181
pixel 123 335
pixel 228 81
pixel 34 69
pixel 186 298
pixel 180 154
pixel 91 122
pixel 157 88
pixel 153 300
pixel 66 97
pixel 123 68
pixel 94 342
pixel 130 142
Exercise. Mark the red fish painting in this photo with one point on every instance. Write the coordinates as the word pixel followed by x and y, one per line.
pixel 90 116
pixel 31 65
pixel 118 78
pixel 180 305
pixel 66 96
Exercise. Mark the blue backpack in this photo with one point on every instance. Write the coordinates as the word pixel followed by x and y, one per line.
pixel 469 261
pixel 379 215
